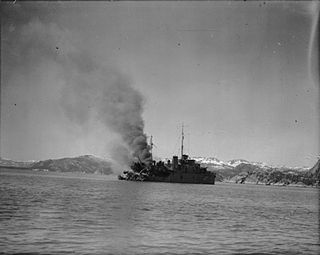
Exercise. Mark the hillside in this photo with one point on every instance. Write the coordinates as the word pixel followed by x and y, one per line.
pixel 7 163
pixel 315 170
pixel 243 171
pixel 83 164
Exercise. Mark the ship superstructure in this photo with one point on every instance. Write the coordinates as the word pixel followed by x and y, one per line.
pixel 183 170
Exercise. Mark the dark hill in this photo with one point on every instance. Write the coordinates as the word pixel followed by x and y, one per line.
pixel 315 171
pixel 83 164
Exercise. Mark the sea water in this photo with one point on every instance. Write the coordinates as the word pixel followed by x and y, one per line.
pixel 55 213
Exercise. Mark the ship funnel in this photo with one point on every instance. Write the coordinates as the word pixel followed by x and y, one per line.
pixel 174 162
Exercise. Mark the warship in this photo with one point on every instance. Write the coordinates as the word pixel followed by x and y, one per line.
pixel 183 170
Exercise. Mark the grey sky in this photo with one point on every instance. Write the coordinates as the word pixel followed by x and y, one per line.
pixel 240 75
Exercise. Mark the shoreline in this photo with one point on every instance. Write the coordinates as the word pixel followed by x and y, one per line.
pixel 271 184
pixel 44 172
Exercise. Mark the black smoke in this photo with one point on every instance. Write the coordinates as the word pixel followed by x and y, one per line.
pixel 90 90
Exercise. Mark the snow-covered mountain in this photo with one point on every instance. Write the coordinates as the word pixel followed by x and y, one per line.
pixel 210 161
pixel 235 162
pixel 241 171
pixel 217 163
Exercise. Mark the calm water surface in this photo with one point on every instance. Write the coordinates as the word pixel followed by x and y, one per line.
pixel 89 214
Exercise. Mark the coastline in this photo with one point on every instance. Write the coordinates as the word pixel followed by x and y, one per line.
pixel 271 184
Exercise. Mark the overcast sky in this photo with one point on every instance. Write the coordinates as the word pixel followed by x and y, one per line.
pixel 241 76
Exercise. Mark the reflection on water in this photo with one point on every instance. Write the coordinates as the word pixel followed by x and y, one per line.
pixel 88 214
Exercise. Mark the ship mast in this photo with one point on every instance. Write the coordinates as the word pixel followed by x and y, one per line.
pixel 182 138
pixel 151 146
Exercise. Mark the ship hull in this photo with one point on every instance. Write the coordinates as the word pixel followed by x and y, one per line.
pixel 184 178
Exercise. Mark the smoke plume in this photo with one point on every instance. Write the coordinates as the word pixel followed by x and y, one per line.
pixel 89 90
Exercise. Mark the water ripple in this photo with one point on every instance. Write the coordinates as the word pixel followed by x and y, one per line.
pixel 55 214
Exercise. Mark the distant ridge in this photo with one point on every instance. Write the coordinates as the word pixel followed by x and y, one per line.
pixel 7 163
pixel 243 171
pixel 83 164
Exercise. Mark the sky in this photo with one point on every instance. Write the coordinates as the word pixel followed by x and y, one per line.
pixel 240 76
